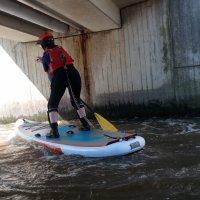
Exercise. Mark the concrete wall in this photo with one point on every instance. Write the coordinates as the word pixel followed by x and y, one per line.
pixel 185 35
pixel 153 57
pixel 129 62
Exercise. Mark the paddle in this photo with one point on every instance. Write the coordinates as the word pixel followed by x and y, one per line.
pixel 76 102
pixel 104 123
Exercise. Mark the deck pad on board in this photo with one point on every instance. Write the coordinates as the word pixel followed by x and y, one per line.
pixel 71 135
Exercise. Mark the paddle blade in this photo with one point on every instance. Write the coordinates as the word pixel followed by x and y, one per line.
pixel 105 124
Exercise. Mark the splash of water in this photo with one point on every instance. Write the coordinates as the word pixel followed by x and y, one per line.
pixel 7 133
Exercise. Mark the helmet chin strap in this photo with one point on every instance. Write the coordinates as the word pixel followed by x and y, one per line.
pixel 43 47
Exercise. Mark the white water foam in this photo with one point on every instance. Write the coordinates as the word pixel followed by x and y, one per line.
pixel 7 133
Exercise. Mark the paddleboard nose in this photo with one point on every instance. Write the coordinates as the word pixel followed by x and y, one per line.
pixel 142 141
pixel 18 123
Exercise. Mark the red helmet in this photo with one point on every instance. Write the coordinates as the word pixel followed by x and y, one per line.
pixel 43 36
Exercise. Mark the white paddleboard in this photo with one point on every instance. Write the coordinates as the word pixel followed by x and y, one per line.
pixel 72 141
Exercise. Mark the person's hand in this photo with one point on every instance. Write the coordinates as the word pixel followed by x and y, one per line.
pixel 39 59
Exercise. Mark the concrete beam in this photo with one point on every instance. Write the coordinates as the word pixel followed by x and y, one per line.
pixel 20 25
pixel 109 9
pixel 94 15
pixel 124 3
pixel 51 12
pixel 15 35
pixel 24 12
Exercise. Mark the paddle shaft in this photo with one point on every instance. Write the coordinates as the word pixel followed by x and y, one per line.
pixel 89 108
pixel 105 124
pixel 75 100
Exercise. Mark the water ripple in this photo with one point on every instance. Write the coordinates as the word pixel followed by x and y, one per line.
pixel 167 168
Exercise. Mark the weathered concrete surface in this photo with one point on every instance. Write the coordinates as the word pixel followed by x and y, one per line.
pixel 143 65
pixel 185 19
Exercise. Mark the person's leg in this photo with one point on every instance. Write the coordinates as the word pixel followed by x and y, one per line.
pixel 53 122
pixel 74 88
pixel 58 87
pixel 80 110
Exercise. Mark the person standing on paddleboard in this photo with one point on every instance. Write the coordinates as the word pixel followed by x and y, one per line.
pixel 58 64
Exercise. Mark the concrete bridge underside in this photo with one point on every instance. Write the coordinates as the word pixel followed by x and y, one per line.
pixel 130 54
pixel 24 20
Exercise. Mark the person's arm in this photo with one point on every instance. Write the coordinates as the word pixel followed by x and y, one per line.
pixel 45 61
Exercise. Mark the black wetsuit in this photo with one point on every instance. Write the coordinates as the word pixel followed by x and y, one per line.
pixel 64 77
pixel 59 83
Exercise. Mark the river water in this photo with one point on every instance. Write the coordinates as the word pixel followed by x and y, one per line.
pixel 167 168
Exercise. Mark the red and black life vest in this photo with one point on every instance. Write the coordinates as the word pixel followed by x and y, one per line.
pixel 58 58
